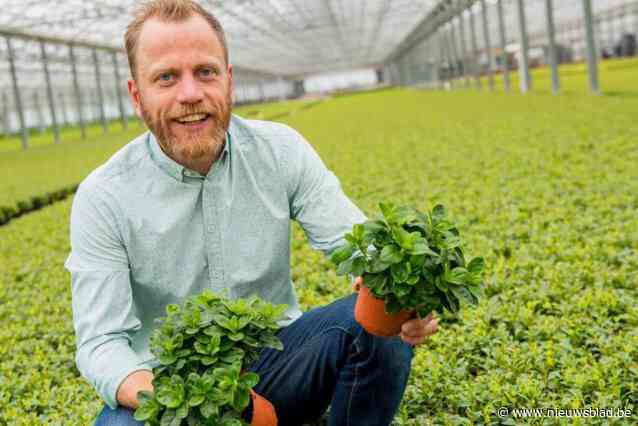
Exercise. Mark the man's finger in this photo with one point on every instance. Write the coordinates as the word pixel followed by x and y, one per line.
pixel 418 328
pixel 414 341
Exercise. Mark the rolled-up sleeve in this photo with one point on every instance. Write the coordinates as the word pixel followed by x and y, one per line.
pixel 317 201
pixel 103 309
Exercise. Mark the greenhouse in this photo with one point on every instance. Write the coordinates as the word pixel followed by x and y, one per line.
pixel 469 164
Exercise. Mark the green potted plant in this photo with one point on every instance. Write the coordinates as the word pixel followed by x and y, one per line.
pixel 203 349
pixel 411 263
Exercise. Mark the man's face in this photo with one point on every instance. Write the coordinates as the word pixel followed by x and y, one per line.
pixel 183 88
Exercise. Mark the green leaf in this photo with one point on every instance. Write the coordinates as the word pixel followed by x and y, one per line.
pixel 357 232
pixel 249 379
pixel 462 293
pixel 421 246
pixel 345 267
pixel 400 272
pixel 377 265
pixel 148 408
pixel 342 254
pixel 388 211
pixel 209 409
pixel 403 238
pixel 358 266
pixel 196 400
pixel 392 305
pixel 391 254
pixel 182 412
pixel 456 276
pixel 168 418
pixel 374 282
pixel 475 268
pixel 438 213
pixel 241 399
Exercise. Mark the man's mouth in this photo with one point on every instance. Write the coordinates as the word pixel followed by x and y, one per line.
pixel 192 119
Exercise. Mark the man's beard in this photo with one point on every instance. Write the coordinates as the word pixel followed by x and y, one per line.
pixel 190 147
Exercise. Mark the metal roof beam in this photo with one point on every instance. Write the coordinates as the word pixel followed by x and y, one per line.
pixel 440 14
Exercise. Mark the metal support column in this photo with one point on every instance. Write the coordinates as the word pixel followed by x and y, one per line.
pixel 592 62
pixel 47 77
pixel 62 100
pixel 76 90
pixel 464 50
pixel 38 110
pixel 439 59
pixel 458 69
pixel 552 53
pixel 448 57
pixel 118 91
pixel 4 115
pixel 526 80
pixel 475 62
pixel 24 138
pixel 488 46
pixel 503 40
pixel 100 94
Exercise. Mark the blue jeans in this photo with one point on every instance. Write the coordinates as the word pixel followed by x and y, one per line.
pixel 328 360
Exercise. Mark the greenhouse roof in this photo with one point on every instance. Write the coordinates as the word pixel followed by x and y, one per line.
pixel 283 37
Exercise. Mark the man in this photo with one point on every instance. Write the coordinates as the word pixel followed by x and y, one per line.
pixel 204 200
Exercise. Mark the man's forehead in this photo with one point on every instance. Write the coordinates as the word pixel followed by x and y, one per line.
pixel 159 38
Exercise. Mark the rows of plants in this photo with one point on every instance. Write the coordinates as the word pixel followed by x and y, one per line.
pixel 615 75
pixel 544 188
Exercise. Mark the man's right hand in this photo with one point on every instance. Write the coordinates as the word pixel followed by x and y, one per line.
pixel 136 381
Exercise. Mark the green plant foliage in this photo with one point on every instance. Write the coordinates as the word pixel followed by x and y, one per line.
pixel 203 347
pixel 412 260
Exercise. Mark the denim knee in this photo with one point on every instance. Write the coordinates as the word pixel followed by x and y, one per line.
pixel 121 416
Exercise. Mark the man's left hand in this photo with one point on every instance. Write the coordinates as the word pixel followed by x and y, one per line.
pixel 416 330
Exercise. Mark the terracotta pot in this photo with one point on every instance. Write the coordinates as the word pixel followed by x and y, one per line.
pixel 370 313
pixel 264 413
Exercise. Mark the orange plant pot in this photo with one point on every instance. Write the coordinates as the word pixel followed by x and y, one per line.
pixel 370 313
pixel 264 413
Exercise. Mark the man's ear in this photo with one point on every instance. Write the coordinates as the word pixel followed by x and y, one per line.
pixel 230 81
pixel 134 94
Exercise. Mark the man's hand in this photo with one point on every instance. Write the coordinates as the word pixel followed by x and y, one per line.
pixel 134 382
pixel 415 331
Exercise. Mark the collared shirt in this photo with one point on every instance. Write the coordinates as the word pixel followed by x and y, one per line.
pixel 147 232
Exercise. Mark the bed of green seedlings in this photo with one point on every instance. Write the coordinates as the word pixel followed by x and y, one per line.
pixel 544 188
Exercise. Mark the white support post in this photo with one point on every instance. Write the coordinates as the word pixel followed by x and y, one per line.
pixel 526 80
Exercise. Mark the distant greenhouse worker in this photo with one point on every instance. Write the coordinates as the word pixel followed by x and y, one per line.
pixel 204 201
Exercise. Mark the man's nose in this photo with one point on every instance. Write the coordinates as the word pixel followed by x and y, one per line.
pixel 189 91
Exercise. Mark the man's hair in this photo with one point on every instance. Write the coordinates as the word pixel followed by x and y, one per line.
pixel 167 11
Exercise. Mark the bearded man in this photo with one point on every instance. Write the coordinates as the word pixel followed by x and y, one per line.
pixel 204 201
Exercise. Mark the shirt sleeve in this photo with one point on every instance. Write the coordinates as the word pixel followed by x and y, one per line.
pixel 103 310
pixel 317 201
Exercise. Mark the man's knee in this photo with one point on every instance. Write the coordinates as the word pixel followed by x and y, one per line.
pixel 121 416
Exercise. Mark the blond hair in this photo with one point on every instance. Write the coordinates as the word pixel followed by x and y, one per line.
pixel 167 11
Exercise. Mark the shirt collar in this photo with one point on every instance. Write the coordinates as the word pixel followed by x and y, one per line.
pixel 173 168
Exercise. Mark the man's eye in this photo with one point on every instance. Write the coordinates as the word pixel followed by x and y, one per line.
pixel 166 76
pixel 208 72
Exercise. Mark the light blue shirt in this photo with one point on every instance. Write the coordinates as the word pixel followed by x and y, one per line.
pixel 147 232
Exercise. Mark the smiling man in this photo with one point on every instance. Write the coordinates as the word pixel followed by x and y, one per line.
pixel 204 201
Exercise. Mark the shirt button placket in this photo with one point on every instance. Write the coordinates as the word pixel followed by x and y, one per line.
pixel 213 238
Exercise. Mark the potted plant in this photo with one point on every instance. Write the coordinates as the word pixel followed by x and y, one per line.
pixel 411 263
pixel 203 349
